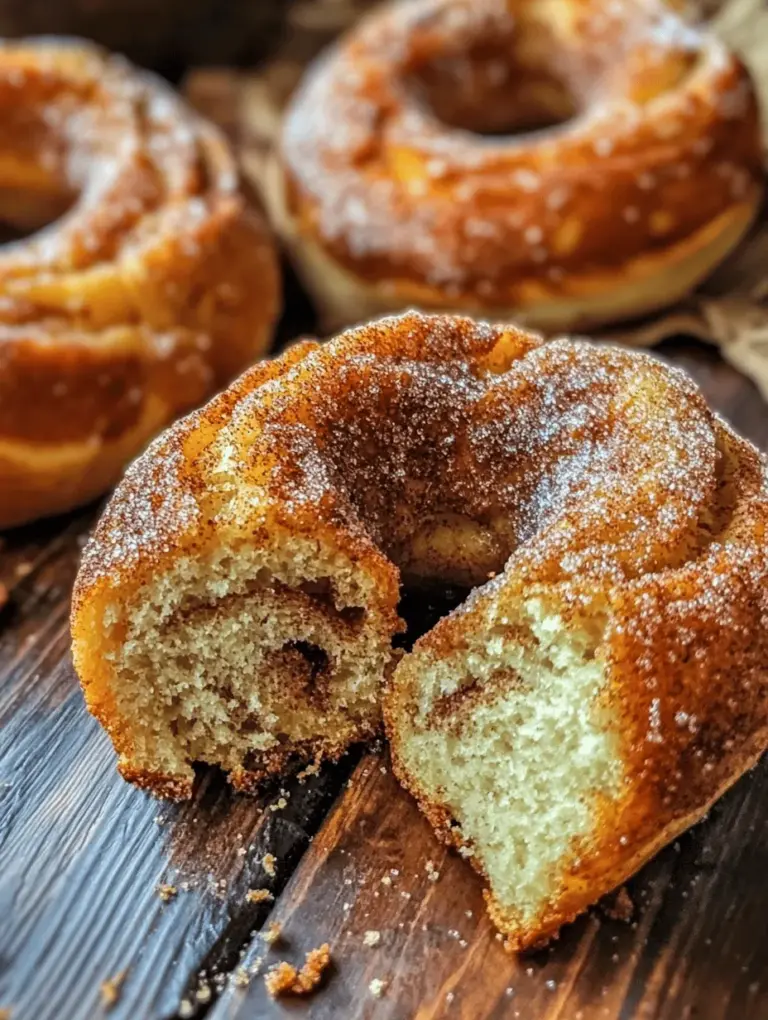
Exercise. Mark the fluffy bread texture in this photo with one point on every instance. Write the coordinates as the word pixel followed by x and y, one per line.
pixel 238 601
pixel 638 169
pixel 147 282
pixel 560 732
pixel 241 642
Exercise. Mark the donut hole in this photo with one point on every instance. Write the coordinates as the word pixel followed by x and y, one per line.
pixel 36 188
pixel 24 211
pixel 497 80
pixel 493 98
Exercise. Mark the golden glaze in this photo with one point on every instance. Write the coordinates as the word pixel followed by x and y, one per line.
pixel 616 211
pixel 154 285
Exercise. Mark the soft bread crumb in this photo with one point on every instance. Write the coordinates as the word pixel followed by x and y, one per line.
pixel 259 896
pixel 284 979
pixel 206 628
pixel 536 677
pixel 166 892
pixel 371 938
pixel 109 989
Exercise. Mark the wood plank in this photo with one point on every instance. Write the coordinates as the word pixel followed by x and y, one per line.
pixel 82 852
pixel 697 946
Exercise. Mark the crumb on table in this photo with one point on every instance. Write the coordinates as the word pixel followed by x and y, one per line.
pixel 619 907
pixel 273 933
pixel 269 861
pixel 310 770
pixel 166 892
pixel 377 987
pixel 242 977
pixel 259 896
pixel 371 938
pixel 110 989
pixel 284 979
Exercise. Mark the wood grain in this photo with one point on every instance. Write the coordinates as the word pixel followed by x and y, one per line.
pixel 438 954
pixel 82 853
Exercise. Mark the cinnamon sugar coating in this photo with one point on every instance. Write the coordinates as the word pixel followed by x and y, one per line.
pixel 144 284
pixel 399 180
pixel 421 448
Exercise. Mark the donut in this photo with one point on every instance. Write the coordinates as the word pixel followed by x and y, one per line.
pixel 606 678
pixel 562 165
pixel 145 284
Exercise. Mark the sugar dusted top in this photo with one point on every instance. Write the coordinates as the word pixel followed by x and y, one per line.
pixel 397 162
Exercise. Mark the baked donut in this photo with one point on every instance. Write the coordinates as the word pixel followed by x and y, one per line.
pixel 635 169
pixel 154 285
pixel 238 600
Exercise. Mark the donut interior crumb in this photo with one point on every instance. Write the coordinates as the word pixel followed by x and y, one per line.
pixel 546 686
pixel 285 979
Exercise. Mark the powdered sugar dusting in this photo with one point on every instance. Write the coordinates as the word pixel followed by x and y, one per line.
pixel 395 191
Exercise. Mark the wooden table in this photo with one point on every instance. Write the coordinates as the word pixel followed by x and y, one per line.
pixel 82 855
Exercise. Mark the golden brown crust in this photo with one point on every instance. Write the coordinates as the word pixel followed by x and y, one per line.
pixel 155 284
pixel 686 650
pixel 596 477
pixel 618 211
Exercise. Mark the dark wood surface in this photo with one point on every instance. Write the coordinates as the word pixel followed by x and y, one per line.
pixel 82 854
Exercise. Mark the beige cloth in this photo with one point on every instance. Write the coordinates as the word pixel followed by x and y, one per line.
pixel 730 309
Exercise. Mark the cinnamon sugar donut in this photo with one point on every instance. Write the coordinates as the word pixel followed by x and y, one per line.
pixel 238 600
pixel 397 186
pixel 153 286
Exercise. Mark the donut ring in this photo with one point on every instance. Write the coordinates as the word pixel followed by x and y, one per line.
pixel 653 175
pixel 237 602
pixel 153 286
